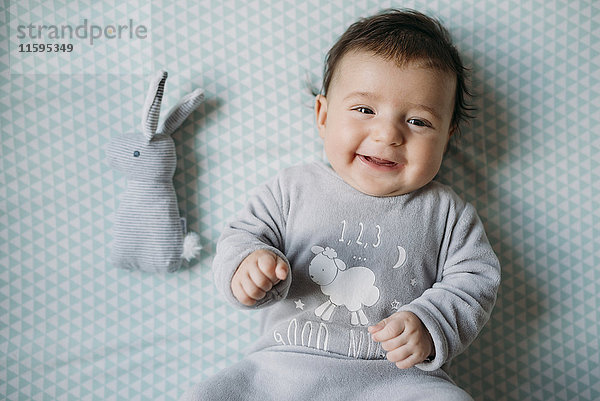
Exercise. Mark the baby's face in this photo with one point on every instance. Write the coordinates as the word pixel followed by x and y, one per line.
pixel 385 128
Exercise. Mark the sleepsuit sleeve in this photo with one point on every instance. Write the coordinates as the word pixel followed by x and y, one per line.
pixel 260 225
pixel 458 305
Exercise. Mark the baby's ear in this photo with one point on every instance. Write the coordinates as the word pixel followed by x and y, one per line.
pixel 453 130
pixel 321 112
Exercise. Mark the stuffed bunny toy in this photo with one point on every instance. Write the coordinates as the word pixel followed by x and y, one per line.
pixel 148 232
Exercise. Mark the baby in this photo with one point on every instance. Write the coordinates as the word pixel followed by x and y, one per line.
pixel 371 274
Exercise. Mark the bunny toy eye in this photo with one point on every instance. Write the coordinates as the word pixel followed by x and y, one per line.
pixel 136 153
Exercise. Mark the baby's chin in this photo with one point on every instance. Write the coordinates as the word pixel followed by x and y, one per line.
pixel 385 194
pixel 380 191
pixel 380 184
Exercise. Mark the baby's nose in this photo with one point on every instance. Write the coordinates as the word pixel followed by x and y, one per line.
pixel 389 133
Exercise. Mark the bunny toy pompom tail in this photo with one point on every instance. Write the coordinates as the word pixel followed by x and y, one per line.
pixel 191 246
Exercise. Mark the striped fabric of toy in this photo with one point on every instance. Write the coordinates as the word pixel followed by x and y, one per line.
pixel 148 233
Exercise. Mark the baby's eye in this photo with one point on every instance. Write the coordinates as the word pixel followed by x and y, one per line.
pixel 364 110
pixel 418 123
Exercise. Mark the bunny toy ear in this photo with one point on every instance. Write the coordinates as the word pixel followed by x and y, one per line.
pixel 152 104
pixel 181 111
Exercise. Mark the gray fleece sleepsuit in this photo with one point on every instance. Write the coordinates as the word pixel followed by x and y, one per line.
pixel 355 259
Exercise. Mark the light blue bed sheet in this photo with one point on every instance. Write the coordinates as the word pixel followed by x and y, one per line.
pixel 72 327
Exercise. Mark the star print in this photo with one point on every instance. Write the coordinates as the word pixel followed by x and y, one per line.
pixel 299 304
pixel 395 304
pixel 413 282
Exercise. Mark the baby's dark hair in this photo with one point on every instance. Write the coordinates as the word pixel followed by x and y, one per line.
pixel 404 36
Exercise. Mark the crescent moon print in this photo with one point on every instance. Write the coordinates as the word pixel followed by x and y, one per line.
pixel 401 257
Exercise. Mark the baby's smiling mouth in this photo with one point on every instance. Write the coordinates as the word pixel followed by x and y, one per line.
pixel 377 161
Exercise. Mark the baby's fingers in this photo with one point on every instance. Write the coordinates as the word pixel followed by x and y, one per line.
pixel 387 329
pixel 408 355
pixel 237 288
pixel 260 280
pixel 252 290
pixel 272 267
pixel 404 358
pixel 281 271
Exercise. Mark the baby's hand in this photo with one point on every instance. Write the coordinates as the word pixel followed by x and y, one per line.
pixel 405 339
pixel 256 275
